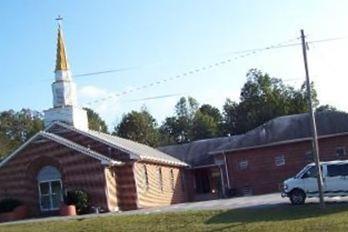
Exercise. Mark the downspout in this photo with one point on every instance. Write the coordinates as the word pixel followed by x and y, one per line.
pixel 222 181
pixel 226 170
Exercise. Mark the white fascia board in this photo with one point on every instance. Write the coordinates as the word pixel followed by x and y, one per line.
pixel 64 142
pixel 132 154
pixel 80 148
pixel 21 147
pixel 277 143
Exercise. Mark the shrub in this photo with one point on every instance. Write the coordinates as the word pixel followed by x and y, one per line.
pixel 8 205
pixel 78 198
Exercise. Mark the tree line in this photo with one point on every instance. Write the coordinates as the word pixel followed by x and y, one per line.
pixel 262 98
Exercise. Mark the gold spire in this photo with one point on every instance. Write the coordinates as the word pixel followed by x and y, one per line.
pixel 62 59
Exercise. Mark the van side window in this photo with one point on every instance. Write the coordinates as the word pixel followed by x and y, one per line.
pixel 333 170
pixel 310 173
pixel 337 170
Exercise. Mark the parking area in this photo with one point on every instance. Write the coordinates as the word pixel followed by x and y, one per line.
pixel 267 200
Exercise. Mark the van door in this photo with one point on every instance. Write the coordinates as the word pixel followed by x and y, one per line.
pixel 336 180
pixel 310 183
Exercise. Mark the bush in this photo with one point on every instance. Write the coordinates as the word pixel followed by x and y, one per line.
pixel 78 198
pixel 8 205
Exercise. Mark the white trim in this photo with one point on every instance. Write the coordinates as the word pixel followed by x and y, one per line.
pixel 223 187
pixel 277 143
pixel 103 159
pixel 227 173
pixel 19 149
pixel 49 194
pixel 132 154
pixel 204 166
pixel 88 135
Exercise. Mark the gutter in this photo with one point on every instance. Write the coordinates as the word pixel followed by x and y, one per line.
pixel 276 143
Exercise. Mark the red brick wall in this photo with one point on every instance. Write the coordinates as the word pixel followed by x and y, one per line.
pixel 18 175
pixel 152 195
pixel 263 176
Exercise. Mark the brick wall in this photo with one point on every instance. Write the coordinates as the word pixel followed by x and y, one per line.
pixel 150 194
pixel 263 176
pixel 18 175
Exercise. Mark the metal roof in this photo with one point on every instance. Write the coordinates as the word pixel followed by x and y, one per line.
pixel 196 152
pixel 141 151
pixel 288 128
pixel 281 130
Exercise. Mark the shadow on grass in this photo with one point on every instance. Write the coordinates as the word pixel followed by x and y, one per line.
pixel 283 212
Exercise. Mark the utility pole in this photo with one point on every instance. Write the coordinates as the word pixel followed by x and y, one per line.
pixel 314 127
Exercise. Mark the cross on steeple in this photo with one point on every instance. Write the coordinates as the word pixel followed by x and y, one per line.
pixel 59 19
pixel 62 59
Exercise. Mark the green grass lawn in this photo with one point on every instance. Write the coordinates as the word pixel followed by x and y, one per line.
pixel 277 218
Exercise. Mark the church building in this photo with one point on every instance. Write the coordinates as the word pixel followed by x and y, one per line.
pixel 116 173
pixel 120 174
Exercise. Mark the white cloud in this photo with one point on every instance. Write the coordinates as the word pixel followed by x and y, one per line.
pixel 102 101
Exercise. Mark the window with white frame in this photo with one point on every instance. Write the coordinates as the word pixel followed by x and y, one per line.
pixel 50 188
pixel 279 160
pixel 340 151
pixel 160 178
pixel 243 164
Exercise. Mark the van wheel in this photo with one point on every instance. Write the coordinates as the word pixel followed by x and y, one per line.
pixel 297 197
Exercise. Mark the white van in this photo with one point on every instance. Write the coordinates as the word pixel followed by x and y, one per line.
pixel 304 184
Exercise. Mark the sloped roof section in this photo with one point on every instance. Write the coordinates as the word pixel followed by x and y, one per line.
pixel 140 151
pixel 196 153
pixel 283 129
pixel 143 151
pixel 289 128
pixel 103 159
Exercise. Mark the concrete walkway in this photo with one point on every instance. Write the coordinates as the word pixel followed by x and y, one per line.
pixel 221 204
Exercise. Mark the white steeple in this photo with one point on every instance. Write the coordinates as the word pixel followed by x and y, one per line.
pixel 64 91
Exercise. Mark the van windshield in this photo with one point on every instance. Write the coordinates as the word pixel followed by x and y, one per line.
pixel 300 174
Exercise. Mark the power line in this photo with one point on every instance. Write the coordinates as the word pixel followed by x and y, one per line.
pixel 197 70
pixel 245 53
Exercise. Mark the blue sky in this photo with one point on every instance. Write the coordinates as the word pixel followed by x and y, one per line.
pixel 160 39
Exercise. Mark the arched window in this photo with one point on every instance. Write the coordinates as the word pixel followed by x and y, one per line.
pixel 50 188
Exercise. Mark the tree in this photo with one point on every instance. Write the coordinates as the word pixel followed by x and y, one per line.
pixel 178 127
pixel 323 108
pixel 230 117
pixel 17 127
pixel 138 126
pixel 211 111
pixel 204 126
pixel 263 98
pixel 95 122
